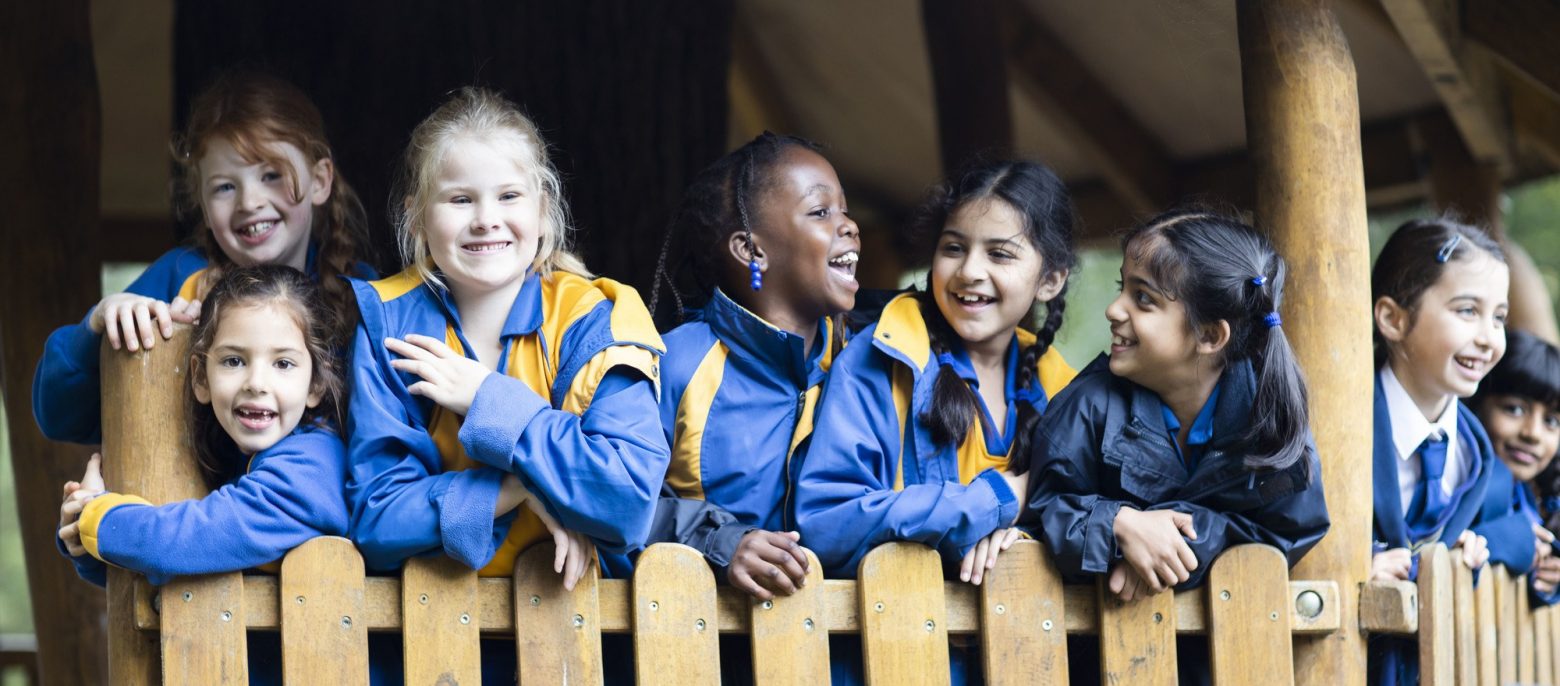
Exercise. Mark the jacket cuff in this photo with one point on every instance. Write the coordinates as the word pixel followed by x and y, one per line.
pixel 82 346
pixel 502 409
pixel 1007 501
pixel 722 547
pixel 91 522
pixel 1099 537
pixel 465 504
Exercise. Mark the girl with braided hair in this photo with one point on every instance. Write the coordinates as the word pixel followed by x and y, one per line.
pixel 927 413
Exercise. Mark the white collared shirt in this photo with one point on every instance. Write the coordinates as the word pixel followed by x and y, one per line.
pixel 1410 429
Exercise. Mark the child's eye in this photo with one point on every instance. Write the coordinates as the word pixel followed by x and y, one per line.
pixel 1500 318
pixel 269 176
pixel 1143 299
pixel 952 249
pixel 223 187
pixel 819 212
pixel 1514 409
pixel 461 200
pixel 1552 422
pixel 231 362
pixel 1001 255
pixel 509 195
pixel 285 364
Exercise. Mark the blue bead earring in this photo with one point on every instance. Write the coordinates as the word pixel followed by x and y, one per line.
pixel 758 276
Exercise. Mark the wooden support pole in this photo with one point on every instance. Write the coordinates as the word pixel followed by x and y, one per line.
pixel 50 123
pixel 1303 131
pixel 146 452
pixel 969 79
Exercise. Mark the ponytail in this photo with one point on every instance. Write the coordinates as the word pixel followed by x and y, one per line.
pixel 1280 412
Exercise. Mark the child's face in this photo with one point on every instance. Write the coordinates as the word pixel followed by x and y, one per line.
pixel 257 376
pixel 484 221
pixel 986 275
pixel 1525 432
pixel 811 244
pixel 1150 340
pixel 1456 334
pixel 250 207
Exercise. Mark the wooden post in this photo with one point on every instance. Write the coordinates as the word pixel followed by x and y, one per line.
pixel 1303 133
pixel 969 79
pixel 146 452
pixel 50 123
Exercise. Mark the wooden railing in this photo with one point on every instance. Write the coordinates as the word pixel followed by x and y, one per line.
pixel 901 607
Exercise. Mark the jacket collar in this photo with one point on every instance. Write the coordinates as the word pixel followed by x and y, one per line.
pixel 525 315
pixel 772 347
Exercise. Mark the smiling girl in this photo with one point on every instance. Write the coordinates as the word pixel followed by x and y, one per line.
pixel 256 168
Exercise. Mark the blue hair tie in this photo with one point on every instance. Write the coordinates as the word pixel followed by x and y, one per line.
pixel 1272 320
pixel 1445 253
pixel 945 359
pixel 1552 503
pixel 1259 281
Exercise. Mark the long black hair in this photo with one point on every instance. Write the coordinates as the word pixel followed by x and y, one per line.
pixel 1414 257
pixel 1041 202
pixel 717 204
pixel 1219 268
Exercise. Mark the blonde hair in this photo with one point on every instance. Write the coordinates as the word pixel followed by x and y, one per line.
pixel 482 114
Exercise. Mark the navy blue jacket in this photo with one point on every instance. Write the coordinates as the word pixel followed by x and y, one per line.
pixel 1103 445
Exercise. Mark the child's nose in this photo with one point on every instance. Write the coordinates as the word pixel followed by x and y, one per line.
pixel 1115 313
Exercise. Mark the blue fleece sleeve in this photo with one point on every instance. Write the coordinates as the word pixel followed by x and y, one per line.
pixel 291 494
pixel 67 395
pixel 845 498
pixel 402 502
pixel 1511 540
pixel 598 473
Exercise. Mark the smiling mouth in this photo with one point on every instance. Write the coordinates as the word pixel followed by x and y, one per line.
pixel 1522 455
pixel 254 418
pixel 493 246
pixel 256 232
pixel 972 299
pixel 1119 341
pixel 1471 364
pixel 845 263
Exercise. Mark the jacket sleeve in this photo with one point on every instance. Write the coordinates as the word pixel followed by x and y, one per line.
pixel 1066 509
pixel 598 472
pixel 700 525
pixel 292 494
pixel 402 503
pixel 1511 541
pixel 1293 524
pixel 67 395
pixel 846 503
pixel 90 569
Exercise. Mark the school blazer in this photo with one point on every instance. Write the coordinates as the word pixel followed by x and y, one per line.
pixel 573 414
pixel 871 472
pixel 290 494
pixel 1103 445
pixel 1390 527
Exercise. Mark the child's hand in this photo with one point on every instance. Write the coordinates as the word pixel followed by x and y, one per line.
pixel 510 494
pixel 1389 565
pixel 1541 539
pixel 1126 584
pixel 1476 550
pixel 572 550
pixel 1546 574
pixel 77 495
pixel 984 555
pixel 184 311
pixel 768 563
pixel 448 379
pixel 1154 543
pixel 128 317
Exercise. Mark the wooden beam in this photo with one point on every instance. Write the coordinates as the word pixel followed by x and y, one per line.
pixel 1303 131
pixel 1462 75
pixel 135 239
pixel 969 80
pixel 1521 33
pixel 1130 159
pixel 50 124
pixel 1535 115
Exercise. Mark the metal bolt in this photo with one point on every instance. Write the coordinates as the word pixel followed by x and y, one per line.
pixel 699 624
pixel 930 626
pixel 1273 616
pixel 769 605
pixel 536 600
pixel 654 606
pixel 878 607
pixel 1224 595
pixel 423 599
pixel 1309 604
pixel 1158 618
pixel 579 621
pixel 1046 625
pixel 227 616
pixel 465 618
pixel 188 596
pixel 346 622
pixel 807 624
pixel 1001 609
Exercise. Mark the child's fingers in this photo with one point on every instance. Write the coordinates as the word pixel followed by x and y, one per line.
pixel 1543 534
pixel 407 350
pixel 783 560
pixel 431 345
pixel 978 565
pixel 1013 535
pixel 92 479
pixel 70 487
pixel 560 550
pixel 143 324
pixel 967 565
pixel 573 567
pixel 741 579
pixel 1183 522
pixel 1187 557
pixel 164 319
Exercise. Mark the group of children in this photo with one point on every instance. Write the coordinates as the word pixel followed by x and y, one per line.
pixel 495 394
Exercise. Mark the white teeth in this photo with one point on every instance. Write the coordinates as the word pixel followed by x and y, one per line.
pixel 1119 340
pixel 971 299
pixel 846 259
pixel 256 228
pixel 487 247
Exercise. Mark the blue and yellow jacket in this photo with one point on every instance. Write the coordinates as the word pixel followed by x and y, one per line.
pixel 738 397
pixel 1104 444
pixel 67 395
pixel 291 493
pixel 573 415
pixel 871 472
